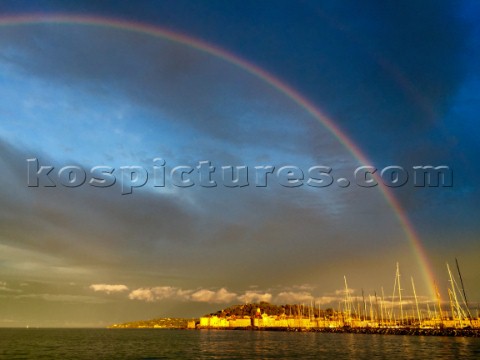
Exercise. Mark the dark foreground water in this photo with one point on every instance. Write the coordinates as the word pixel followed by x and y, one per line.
pixel 210 344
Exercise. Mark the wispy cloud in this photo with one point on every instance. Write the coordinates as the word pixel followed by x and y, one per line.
pixel 108 288
pixel 63 298
pixel 159 293
pixel 294 297
pixel 4 288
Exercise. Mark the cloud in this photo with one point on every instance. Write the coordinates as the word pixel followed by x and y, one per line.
pixel 290 297
pixel 165 76
pixel 323 300
pixel 123 237
pixel 4 288
pixel 342 291
pixel 209 296
pixel 303 296
pixel 172 293
pixel 224 296
pixel 254 296
pixel 335 297
pixel 108 288
pixel 159 293
pixel 64 298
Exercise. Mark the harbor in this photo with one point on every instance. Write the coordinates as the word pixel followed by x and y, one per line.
pixel 399 313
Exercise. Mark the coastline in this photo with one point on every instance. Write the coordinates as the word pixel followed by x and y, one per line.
pixel 411 331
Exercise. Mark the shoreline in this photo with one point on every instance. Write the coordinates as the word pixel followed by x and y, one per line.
pixel 449 332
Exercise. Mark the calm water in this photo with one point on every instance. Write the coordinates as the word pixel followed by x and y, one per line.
pixel 204 344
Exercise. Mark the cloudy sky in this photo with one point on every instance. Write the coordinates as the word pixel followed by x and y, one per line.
pixel 401 81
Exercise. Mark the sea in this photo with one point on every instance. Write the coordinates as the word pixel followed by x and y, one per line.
pixel 221 344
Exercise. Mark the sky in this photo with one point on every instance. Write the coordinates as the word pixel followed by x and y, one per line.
pixel 400 82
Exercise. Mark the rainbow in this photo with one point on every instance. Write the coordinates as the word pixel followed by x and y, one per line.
pixel 258 72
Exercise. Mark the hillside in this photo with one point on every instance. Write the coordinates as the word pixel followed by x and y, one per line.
pixel 234 310
pixel 270 309
pixel 159 323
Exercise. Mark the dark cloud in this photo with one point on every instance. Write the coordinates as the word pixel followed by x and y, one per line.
pixel 150 235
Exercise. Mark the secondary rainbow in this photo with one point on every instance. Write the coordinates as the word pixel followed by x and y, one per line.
pixel 260 73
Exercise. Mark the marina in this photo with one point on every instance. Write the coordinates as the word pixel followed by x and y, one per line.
pixel 401 313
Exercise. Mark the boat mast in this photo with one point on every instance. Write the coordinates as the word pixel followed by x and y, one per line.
pixel 392 314
pixel 310 310
pixel 364 306
pixel 356 307
pixel 416 302
pixel 454 295
pixel 382 305
pixel 437 293
pixel 399 294
pixel 451 304
pixel 463 291
pixel 371 307
pixel 347 302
